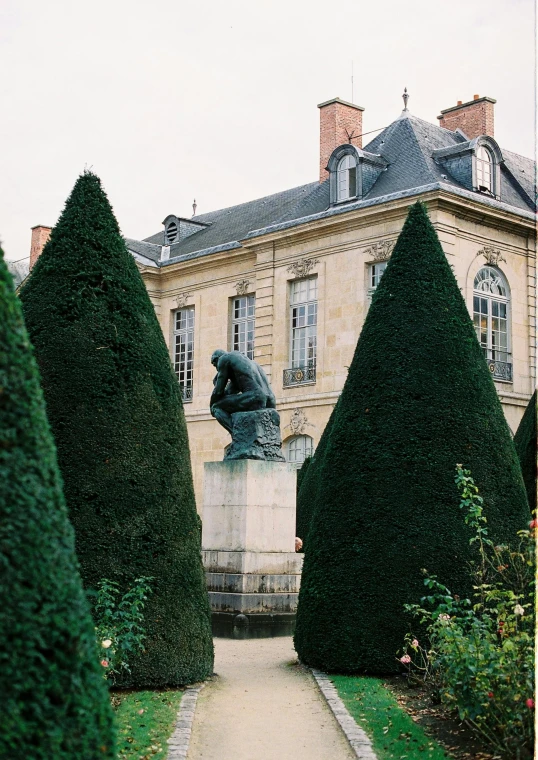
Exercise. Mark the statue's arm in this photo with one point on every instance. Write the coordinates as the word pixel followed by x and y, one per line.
pixel 220 382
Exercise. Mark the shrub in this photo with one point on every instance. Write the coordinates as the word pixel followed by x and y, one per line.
pixel 120 625
pixel 417 399
pixel 116 413
pixel 525 443
pixel 479 655
pixel 54 700
pixel 307 484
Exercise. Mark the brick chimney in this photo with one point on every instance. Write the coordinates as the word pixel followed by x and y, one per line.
pixel 40 235
pixel 339 123
pixel 475 117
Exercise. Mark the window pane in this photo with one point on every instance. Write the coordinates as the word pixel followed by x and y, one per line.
pixel 243 311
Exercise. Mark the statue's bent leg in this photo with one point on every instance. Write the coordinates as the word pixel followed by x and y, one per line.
pixel 249 401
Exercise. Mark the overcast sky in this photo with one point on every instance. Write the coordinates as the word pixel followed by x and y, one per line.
pixel 171 100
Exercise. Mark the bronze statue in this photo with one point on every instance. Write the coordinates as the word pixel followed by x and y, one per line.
pixel 244 404
pixel 240 385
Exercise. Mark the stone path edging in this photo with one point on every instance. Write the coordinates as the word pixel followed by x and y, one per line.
pixel 358 739
pixel 180 739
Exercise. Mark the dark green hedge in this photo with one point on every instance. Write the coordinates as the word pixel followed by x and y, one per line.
pixel 308 484
pixel 54 698
pixel 525 443
pixel 418 399
pixel 116 413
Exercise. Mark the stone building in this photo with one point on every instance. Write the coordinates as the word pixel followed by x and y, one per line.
pixel 288 278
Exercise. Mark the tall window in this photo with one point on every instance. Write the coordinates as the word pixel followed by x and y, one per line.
pixel 491 303
pixel 484 169
pixel 304 317
pixel 243 325
pixel 375 271
pixel 346 178
pixel 298 449
pixel 184 350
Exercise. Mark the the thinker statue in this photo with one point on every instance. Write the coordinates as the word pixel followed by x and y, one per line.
pixel 241 388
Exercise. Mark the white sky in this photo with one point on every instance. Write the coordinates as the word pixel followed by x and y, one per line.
pixel 170 100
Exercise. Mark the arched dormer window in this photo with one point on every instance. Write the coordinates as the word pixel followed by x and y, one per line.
pixel 484 169
pixel 353 172
pixel 346 178
pixel 475 164
pixel 491 317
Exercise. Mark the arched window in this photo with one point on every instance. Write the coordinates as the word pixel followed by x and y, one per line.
pixel 491 305
pixel 346 178
pixel 298 449
pixel 484 169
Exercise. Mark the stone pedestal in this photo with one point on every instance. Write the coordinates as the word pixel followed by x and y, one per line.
pixel 248 547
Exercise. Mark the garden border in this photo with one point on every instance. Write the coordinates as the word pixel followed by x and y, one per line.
pixel 356 736
pixel 179 741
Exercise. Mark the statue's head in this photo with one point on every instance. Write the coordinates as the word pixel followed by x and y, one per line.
pixel 215 356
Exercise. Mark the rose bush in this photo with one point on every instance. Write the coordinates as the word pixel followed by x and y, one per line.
pixel 119 624
pixel 479 657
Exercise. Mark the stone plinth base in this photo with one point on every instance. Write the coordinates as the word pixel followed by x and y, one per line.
pixel 249 506
pixel 256 435
pixel 248 547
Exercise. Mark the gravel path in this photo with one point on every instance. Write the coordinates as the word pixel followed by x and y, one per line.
pixel 263 706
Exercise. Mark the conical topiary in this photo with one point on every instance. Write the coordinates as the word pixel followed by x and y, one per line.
pixel 308 483
pixel 115 409
pixel 525 443
pixel 54 699
pixel 418 400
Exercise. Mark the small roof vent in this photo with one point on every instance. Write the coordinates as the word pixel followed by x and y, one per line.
pixel 172 232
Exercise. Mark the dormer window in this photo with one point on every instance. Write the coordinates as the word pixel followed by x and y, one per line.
pixel 475 164
pixel 352 173
pixel 484 169
pixel 347 178
pixel 177 228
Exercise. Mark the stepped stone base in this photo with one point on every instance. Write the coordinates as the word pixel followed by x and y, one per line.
pixel 248 540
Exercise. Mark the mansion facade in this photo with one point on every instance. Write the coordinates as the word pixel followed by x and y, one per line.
pixel 288 279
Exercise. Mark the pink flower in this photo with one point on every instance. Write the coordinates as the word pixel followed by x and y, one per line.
pixel 530 704
pixel 414 643
pixel 533 524
pixel 405 659
pixel 104 663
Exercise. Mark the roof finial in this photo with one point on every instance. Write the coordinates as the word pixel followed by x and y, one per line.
pixel 194 204
pixel 405 97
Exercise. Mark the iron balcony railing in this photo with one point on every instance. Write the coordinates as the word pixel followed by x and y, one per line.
pixel 500 370
pixel 186 393
pixel 300 375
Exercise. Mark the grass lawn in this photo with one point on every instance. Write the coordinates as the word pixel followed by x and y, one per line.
pixel 392 731
pixel 144 720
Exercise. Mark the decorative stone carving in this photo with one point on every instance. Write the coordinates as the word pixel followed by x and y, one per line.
pixel 256 435
pixel 242 287
pixel 181 300
pixel 492 255
pixel 302 268
pixel 381 250
pixel 298 422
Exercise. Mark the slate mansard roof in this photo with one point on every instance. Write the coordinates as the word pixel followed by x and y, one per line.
pixel 407 145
